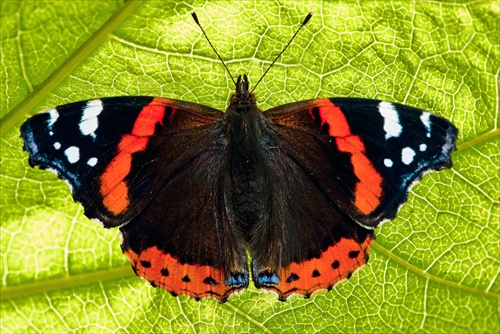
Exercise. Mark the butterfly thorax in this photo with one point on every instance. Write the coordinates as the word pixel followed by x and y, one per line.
pixel 245 124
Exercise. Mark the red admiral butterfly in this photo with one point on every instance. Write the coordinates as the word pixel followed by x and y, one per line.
pixel 300 186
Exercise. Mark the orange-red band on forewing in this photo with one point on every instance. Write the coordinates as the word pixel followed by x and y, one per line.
pixel 337 263
pixel 165 271
pixel 366 200
pixel 113 186
pixel 132 144
pixel 116 171
pixel 331 114
pixel 150 115
pixel 350 144
pixel 368 190
pixel 117 200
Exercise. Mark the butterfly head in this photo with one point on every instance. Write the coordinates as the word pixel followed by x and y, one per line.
pixel 242 96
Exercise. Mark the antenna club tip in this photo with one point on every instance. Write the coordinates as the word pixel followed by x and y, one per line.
pixel 195 18
pixel 308 17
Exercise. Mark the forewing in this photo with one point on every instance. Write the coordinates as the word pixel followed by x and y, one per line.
pixel 102 148
pixel 376 151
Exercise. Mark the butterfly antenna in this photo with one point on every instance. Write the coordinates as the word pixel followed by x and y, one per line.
pixel 308 17
pixel 195 18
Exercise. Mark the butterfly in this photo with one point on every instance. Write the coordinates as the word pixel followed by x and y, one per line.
pixel 299 187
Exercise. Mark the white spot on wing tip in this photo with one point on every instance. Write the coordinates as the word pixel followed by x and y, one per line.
pixel 388 162
pixel 423 147
pixel 72 154
pixel 407 155
pixel 57 145
pixel 54 115
pixel 425 118
pixel 89 123
pixel 94 103
pixel 392 127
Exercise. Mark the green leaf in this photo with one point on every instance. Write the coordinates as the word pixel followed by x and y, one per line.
pixel 435 268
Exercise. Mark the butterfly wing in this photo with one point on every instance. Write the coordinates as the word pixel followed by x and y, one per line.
pixel 336 184
pixel 379 149
pixel 98 147
pixel 151 166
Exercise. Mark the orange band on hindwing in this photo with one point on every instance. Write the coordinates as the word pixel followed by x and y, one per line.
pixel 335 264
pixel 197 281
pixel 113 187
pixel 368 189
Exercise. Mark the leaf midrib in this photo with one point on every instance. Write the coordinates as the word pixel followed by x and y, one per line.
pixel 14 116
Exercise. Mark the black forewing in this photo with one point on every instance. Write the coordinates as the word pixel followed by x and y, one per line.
pixel 430 139
pixel 333 170
pixel 48 135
